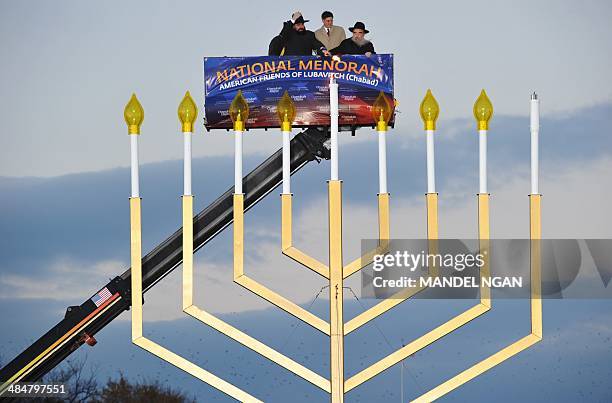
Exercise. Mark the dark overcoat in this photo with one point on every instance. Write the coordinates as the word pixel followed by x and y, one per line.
pixel 296 43
pixel 349 47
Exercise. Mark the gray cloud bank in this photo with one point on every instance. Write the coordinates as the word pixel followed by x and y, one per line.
pixel 64 236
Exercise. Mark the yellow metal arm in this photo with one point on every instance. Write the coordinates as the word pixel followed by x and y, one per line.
pixel 383 238
pixel 336 292
pixel 151 346
pixel 400 296
pixel 484 240
pixel 440 331
pixel 535 232
pixel 259 289
pixel 287 239
pixel 414 346
pixel 336 272
pixel 477 369
pixel 222 326
pixel 535 235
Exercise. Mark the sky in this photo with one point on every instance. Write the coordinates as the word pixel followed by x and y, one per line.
pixel 68 68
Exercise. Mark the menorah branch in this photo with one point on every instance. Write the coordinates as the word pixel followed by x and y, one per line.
pixel 484 243
pixel 194 370
pixel 335 270
pixel 415 346
pixel 477 369
pixel 220 325
pixel 535 230
pixel 136 264
pixel 287 239
pixel 535 234
pixel 137 319
pixel 259 347
pixel 187 251
pixel 400 296
pixel 380 308
pixel 383 239
pixel 444 329
pixel 258 288
pixel 336 291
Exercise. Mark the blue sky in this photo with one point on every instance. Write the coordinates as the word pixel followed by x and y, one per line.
pixel 66 268
pixel 68 68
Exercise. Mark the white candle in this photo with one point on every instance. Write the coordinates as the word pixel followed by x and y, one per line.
pixel 134 165
pixel 187 163
pixel 286 162
pixel 333 112
pixel 482 162
pixel 431 168
pixel 238 162
pixel 382 162
pixel 535 158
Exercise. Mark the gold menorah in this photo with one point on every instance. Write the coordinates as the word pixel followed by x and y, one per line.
pixel 334 271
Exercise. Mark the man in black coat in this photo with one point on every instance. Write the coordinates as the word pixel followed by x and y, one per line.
pixel 296 39
pixel 357 44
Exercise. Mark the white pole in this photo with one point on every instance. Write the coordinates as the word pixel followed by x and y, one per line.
pixel 286 162
pixel 431 168
pixel 482 135
pixel 238 162
pixel 134 165
pixel 382 162
pixel 333 112
pixel 187 164
pixel 535 157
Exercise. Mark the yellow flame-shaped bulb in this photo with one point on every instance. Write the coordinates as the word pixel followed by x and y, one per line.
pixel 483 110
pixel 286 112
pixel 430 110
pixel 381 112
pixel 187 113
pixel 133 115
pixel 239 111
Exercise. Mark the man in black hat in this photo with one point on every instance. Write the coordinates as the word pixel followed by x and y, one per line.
pixel 296 39
pixel 357 44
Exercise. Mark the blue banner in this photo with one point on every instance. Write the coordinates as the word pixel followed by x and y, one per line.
pixel 264 79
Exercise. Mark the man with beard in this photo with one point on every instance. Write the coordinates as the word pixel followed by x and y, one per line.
pixel 296 39
pixel 357 44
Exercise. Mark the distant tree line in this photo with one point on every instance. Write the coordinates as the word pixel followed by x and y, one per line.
pixel 83 387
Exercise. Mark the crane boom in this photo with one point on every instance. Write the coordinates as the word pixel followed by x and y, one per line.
pixel 82 322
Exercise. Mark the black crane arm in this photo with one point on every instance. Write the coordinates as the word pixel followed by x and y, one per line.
pixel 82 322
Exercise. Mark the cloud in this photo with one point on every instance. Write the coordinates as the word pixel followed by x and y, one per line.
pixel 64 279
pixel 61 224
pixel 73 93
pixel 509 219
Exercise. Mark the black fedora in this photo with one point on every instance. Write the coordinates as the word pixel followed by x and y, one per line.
pixel 298 18
pixel 359 25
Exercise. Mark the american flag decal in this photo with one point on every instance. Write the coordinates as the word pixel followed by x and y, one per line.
pixel 101 296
